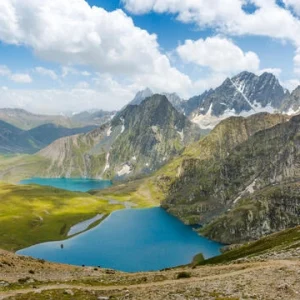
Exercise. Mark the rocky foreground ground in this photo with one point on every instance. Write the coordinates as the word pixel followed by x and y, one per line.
pixel 272 276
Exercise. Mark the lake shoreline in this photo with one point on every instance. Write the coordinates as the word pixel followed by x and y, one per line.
pixel 160 241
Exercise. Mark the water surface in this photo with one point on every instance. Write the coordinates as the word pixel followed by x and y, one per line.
pixel 70 184
pixel 130 240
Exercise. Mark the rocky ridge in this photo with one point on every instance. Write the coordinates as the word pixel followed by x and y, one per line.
pixel 138 140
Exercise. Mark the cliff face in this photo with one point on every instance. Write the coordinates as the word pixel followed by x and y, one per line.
pixel 139 139
pixel 241 95
pixel 202 184
pixel 238 184
pixel 291 103
pixel 266 211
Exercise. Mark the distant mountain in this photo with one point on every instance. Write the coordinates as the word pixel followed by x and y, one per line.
pixel 243 94
pixel 26 120
pixel 15 140
pixel 173 98
pixel 95 117
pixel 138 140
pixel 291 103
pixel 141 96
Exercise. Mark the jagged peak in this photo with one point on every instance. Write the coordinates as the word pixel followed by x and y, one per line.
pixel 296 90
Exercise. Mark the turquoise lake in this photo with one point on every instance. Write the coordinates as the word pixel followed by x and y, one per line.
pixel 70 184
pixel 130 240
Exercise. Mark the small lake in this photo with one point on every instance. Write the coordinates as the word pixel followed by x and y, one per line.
pixel 130 240
pixel 70 184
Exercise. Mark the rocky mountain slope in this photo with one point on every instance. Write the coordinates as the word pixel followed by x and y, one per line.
pixel 247 191
pixel 215 175
pixel 291 103
pixel 243 94
pixel 15 140
pixel 138 140
pixel 25 120
pixel 92 118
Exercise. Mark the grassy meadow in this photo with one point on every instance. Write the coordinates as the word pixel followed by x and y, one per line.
pixel 31 214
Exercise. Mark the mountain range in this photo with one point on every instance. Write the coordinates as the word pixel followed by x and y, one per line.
pixel 239 182
pixel 15 140
pixel 241 95
pixel 138 140
pixel 26 120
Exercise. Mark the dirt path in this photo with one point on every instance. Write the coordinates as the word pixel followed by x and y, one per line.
pixel 4 295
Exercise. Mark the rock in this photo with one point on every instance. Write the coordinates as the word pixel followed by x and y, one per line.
pixel 69 292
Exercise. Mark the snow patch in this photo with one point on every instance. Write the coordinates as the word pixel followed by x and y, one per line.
pixel 209 122
pixel 292 112
pixel 109 131
pixel 123 125
pixel 181 134
pixel 125 170
pixel 107 163
pixel 240 88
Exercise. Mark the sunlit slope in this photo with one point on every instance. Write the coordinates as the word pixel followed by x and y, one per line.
pixel 34 214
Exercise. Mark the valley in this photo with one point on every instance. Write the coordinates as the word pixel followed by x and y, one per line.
pixel 150 150
pixel 155 186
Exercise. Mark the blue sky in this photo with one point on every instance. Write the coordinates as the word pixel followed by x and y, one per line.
pixel 102 61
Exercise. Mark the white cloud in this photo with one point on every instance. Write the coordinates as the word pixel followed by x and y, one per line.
pixel 73 33
pixel 293 4
pixel 219 54
pixel 275 71
pixel 297 61
pixel 4 71
pixel 212 80
pixel 86 74
pixel 66 71
pixel 229 17
pixel 21 78
pixel 57 101
pixel 46 72
pixel 83 85
pixel 16 77
pixel 291 84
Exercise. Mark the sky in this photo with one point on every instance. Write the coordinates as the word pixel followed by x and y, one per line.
pixel 66 56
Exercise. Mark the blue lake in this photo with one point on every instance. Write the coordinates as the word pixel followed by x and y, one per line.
pixel 70 184
pixel 130 240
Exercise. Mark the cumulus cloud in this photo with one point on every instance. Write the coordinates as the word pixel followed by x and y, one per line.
pixel 56 101
pixel 275 71
pixel 83 85
pixel 229 16
pixel 16 77
pixel 297 61
pixel 4 71
pixel 21 78
pixel 291 84
pixel 46 72
pixel 294 5
pixel 84 35
pixel 219 54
